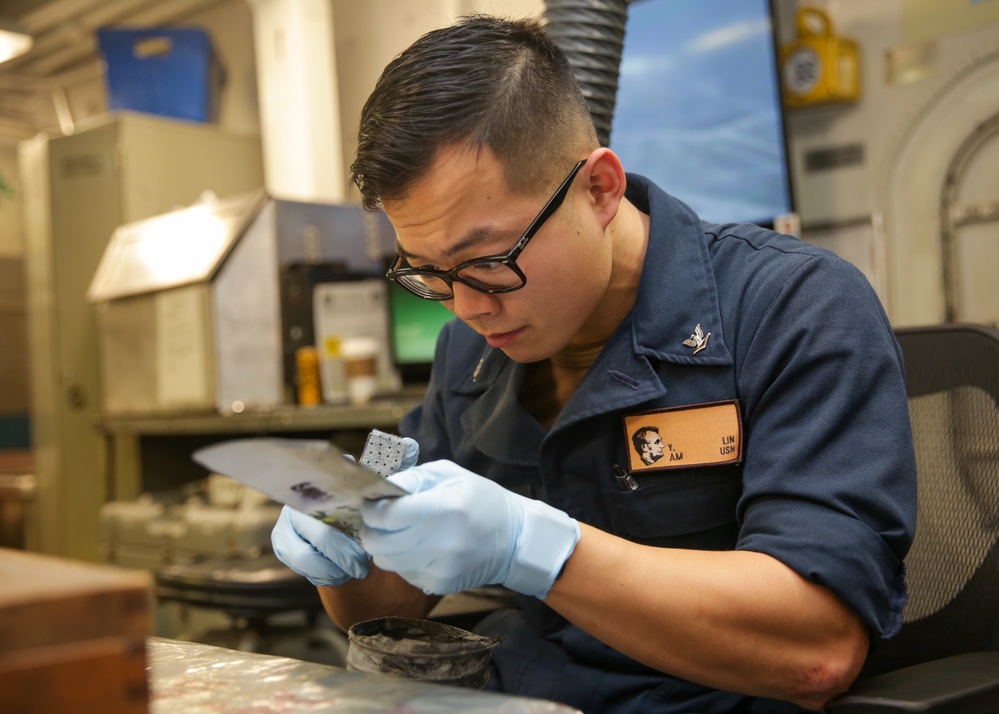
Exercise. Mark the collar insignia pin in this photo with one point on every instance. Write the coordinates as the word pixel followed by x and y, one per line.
pixel 698 340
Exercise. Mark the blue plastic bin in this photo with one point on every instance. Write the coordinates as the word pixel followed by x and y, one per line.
pixel 168 71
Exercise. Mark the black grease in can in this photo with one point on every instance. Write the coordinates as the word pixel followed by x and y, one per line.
pixel 420 649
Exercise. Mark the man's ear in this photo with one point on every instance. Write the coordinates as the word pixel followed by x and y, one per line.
pixel 606 179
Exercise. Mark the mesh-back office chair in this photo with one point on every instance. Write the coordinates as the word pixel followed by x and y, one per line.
pixel 946 657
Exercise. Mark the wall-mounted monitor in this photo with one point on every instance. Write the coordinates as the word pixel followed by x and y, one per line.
pixel 698 107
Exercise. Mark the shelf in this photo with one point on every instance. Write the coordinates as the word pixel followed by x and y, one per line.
pixel 379 413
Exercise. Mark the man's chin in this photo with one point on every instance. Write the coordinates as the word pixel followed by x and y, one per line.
pixel 524 358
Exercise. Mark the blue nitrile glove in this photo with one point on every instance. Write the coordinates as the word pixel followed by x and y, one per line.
pixel 319 552
pixel 458 530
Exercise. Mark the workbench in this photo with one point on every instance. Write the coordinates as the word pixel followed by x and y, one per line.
pixel 188 678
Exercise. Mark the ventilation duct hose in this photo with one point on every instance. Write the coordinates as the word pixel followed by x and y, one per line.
pixel 591 34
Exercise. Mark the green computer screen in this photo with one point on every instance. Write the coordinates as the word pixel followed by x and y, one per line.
pixel 415 326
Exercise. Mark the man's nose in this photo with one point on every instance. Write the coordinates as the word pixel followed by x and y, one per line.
pixel 469 304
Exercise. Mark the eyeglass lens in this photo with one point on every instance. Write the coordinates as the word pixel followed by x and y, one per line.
pixel 489 276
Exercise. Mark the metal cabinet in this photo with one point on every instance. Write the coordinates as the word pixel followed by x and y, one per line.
pixel 77 190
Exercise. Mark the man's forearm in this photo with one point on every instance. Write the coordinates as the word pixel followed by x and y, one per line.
pixel 737 620
pixel 379 595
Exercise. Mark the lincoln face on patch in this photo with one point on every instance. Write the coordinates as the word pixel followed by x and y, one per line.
pixel 648 444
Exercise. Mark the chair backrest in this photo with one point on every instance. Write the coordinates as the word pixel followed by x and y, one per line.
pixel 952 379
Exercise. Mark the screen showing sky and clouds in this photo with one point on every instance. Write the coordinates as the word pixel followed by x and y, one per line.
pixel 698 107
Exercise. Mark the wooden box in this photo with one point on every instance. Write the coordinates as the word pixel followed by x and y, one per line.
pixel 72 636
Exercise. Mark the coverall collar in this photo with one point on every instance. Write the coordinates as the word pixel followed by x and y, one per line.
pixel 677 291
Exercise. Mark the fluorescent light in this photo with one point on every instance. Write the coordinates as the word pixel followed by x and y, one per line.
pixel 14 41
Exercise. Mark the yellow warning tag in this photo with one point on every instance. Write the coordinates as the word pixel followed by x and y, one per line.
pixel 684 437
pixel 332 346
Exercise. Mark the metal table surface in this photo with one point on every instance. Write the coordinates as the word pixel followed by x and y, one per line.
pixel 189 678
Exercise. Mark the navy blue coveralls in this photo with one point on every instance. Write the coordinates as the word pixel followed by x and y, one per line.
pixel 827 479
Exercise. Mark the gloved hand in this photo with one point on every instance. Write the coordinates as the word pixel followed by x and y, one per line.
pixel 458 530
pixel 319 552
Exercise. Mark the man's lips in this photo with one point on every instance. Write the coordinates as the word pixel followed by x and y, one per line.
pixel 499 340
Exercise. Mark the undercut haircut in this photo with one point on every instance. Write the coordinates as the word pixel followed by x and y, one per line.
pixel 484 82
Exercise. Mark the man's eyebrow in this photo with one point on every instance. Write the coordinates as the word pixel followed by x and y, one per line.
pixel 476 237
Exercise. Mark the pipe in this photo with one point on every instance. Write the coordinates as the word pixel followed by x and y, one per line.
pixel 591 34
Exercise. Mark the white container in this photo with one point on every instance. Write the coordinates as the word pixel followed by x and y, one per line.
pixel 188 311
pixel 360 364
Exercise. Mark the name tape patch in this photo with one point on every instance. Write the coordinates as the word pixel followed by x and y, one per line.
pixel 684 437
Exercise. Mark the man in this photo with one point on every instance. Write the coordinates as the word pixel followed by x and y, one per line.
pixel 761 556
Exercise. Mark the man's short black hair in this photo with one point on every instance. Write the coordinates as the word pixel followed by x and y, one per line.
pixel 484 82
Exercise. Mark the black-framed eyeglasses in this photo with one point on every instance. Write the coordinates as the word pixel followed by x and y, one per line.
pixel 490 274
